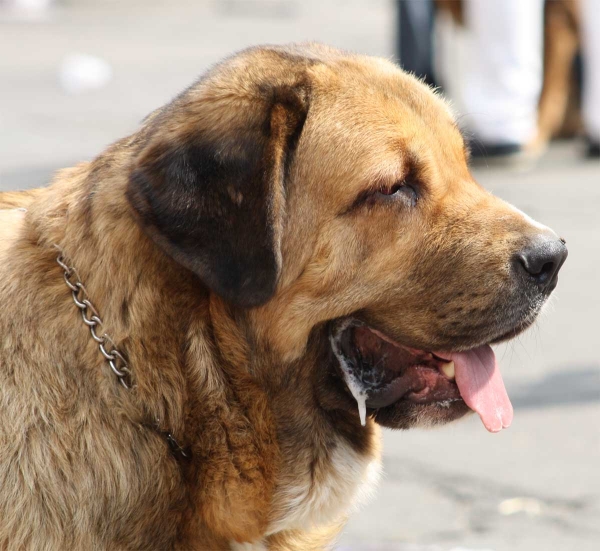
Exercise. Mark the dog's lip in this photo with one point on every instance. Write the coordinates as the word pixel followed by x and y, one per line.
pixel 515 332
pixel 443 357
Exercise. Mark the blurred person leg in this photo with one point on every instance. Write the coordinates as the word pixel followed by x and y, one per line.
pixel 415 37
pixel 503 74
pixel 590 22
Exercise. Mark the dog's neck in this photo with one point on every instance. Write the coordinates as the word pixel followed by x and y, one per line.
pixel 207 361
pixel 133 285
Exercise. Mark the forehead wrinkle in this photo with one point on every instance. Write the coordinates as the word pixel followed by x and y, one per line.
pixel 404 159
pixel 388 171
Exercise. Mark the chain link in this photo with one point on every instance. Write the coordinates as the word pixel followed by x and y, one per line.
pixel 116 361
pixel 91 318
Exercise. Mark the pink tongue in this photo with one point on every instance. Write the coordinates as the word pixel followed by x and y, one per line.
pixel 481 386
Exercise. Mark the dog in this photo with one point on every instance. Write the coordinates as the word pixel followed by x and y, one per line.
pixel 203 328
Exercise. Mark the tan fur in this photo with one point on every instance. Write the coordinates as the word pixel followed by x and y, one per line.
pixel 246 390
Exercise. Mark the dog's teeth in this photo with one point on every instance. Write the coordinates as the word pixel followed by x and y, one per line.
pixel 448 369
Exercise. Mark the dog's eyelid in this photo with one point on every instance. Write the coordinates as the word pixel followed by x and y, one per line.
pixel 376 194
pixel 384 190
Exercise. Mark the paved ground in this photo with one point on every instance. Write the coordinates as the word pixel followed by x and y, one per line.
pixel 535 487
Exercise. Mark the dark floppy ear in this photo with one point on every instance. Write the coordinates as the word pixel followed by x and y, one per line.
pixel 209 188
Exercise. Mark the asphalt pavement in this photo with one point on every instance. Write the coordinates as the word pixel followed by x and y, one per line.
pixel 534 487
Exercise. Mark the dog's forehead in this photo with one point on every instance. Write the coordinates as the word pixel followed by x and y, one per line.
pixel 369 120
pixel 377 87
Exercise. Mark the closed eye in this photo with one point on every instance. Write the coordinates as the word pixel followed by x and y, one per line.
pixel 404 193
pixel 393 190
pixel 401 191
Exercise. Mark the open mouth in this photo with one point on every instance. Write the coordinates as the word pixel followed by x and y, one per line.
pixel 380 372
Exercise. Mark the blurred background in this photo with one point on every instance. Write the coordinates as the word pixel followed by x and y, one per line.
pixel 523 76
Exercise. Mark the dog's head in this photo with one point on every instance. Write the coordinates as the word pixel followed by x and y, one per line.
pixel 327 196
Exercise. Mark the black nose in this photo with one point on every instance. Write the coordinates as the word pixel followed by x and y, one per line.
pixel 542 260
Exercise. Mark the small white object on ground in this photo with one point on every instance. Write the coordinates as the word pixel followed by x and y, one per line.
pixel 528 505
pixel 28 4
pixel 25 10
pixel 80 73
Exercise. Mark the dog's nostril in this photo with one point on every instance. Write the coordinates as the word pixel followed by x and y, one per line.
pixel 535 267
pixel 545 273
pixel 542 260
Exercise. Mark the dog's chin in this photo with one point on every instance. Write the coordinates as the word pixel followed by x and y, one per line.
pixel 399 386
pixel 521 327
pixel 405 414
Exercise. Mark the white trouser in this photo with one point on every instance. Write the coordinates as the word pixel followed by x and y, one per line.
pixel 503 70
pixel 590 29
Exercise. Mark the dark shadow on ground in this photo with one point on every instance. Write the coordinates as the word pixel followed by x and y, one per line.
pixel 572 386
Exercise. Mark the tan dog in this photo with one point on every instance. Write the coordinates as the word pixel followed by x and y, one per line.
pixel 276 254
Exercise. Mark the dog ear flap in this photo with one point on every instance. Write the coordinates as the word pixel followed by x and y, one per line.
pixel 212 197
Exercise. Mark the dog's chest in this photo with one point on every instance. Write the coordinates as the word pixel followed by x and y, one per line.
pixel 328 490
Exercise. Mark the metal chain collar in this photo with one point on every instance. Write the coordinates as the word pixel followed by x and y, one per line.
pixel 91 318
pixel 116 360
